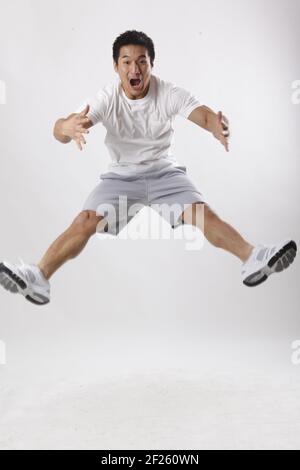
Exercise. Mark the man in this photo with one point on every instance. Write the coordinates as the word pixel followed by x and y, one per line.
pixel 138 112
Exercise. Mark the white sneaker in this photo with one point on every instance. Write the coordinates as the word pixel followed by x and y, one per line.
pixel 268 259
pixel 25 279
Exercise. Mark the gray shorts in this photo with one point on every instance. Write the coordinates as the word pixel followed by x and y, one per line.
pixel 118 198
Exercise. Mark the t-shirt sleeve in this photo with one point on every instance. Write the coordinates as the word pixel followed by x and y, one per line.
pixel 182 102
pixel 98 107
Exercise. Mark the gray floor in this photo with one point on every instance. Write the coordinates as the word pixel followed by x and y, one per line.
pixel 184 358
pixel 162 409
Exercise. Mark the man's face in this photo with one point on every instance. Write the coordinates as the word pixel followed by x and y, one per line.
pixel 133 64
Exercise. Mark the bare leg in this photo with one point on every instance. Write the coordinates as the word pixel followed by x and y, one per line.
pixel 218 233
pixel 70 243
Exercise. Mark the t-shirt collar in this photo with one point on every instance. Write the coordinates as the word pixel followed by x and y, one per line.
pixel 140 101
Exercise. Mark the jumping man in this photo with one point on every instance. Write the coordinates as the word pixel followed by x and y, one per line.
pixel 138 112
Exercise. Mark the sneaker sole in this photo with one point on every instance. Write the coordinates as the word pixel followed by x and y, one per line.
pixel 19 283
pixel 275 265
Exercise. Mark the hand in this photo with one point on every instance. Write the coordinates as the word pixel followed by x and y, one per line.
pixel 221 131
pixel 73 127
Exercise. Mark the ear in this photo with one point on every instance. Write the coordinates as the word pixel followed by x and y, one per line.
pixel 115 66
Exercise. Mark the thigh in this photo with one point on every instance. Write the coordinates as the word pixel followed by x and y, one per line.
pixel 118 200
pixel 171 193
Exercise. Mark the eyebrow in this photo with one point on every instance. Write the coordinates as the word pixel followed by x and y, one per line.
pixel 127 56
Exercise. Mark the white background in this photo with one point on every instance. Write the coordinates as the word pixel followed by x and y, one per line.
pixel 146 344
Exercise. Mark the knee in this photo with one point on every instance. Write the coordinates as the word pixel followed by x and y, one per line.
pixel 86 222
pixel 209 214
pixel 198 214
pixel 193 213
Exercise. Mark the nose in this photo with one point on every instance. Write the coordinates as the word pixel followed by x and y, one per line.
pixel 134 68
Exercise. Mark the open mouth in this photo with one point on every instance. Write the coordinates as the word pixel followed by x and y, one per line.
pixel 136 83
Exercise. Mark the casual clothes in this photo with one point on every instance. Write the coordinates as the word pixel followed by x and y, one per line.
pixel 167 190
pixel 139 140
pixel 140 132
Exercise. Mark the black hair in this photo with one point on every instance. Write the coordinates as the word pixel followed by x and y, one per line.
pixel 136 38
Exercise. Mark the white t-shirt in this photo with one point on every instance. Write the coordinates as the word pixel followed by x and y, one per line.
pixel 140 132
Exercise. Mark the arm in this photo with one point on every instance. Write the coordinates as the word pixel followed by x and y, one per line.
pixel 217 124
pixel 73 128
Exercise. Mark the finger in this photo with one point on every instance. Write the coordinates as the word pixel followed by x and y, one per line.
pixel 82 139
pixel 219 128
pixel 82 120
pixel 225 120
pixel 78 134
pixel 226 133
pixel 220 116
pixel 224 142
pixel 78 144
pixel 225 126
pixel 82 130
pixel 224 129
pixel 85 111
